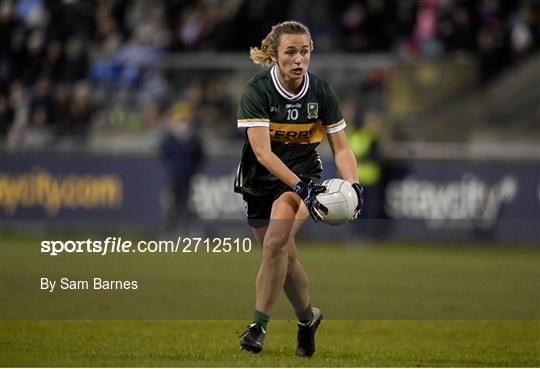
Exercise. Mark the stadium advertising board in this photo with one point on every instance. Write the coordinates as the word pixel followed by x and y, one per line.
pixel 420 200
pixel 464 200
pixel 80 188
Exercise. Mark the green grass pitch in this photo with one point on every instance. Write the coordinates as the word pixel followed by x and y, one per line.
pixel 384 305
pixel 215 343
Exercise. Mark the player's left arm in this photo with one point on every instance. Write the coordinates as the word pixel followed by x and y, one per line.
pixel 343 156
pixel 346 164
pixel 334 126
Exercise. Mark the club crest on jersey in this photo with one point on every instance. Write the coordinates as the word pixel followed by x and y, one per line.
pixel 312 110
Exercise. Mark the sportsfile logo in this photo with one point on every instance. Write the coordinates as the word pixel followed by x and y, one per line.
pixel 438 204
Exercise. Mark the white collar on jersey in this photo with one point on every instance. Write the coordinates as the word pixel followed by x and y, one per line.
pixel 283 92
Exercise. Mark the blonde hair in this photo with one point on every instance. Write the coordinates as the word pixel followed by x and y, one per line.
pixel 263 55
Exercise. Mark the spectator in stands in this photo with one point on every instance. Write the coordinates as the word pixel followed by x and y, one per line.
pixel 42 102
pixel 39 134
pixel 55 62
pixel 6 116
pixel 76 65
pixel 20 102
pixel 425 29
pixel 61 108
pixel 352 23
pixel 122 40
pixel 33 60
pixel 8 26
pixel 82 112
pixel 182 153
pixel 525 32
pixel 459 30
pixel 108 36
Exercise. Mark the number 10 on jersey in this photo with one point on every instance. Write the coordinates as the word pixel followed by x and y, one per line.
pixel 292 114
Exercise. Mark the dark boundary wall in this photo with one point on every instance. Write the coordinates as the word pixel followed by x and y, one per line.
pixel 445 201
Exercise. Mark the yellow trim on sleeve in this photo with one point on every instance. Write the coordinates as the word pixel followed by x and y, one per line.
pixel 334 124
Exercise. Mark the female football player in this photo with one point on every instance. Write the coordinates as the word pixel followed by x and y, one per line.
pixel 286 112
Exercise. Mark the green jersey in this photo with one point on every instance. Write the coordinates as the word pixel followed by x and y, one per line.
pixel 297 124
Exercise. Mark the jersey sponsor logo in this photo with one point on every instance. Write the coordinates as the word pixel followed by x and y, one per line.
pixel 312 110
pixel 297 105
pixel 305 133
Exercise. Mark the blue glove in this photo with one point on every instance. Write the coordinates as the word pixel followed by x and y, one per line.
pixel 359 191
pixel 308 193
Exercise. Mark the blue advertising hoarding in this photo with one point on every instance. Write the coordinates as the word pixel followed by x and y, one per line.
pixel 417 200
pixel 80 188
pixel 497 201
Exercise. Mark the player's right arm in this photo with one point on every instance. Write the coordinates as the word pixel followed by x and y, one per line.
pixel 259 138
pixel 253 115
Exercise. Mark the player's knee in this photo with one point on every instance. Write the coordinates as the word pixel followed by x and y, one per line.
pixel 291 262
pixel 286 205
pixel 275 243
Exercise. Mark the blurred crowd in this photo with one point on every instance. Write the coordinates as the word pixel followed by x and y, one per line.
pixel 63 63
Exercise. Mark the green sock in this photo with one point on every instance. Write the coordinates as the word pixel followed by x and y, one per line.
pixel 305 316
pixel 260 318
